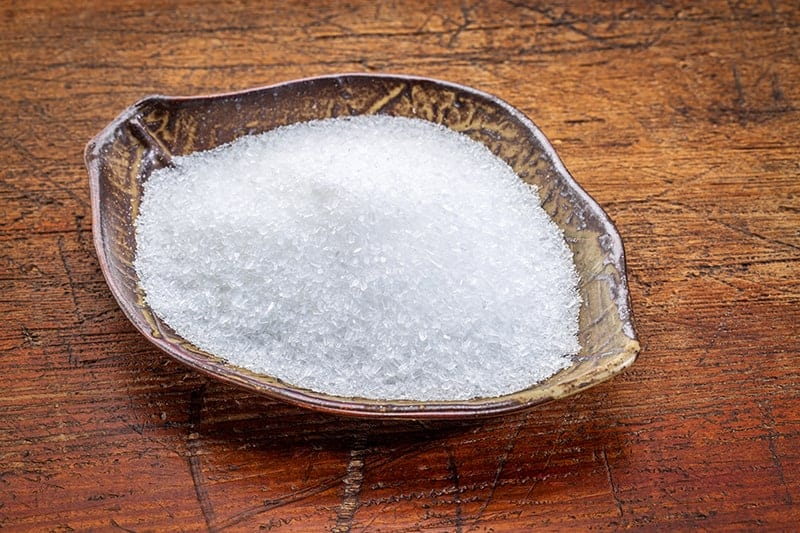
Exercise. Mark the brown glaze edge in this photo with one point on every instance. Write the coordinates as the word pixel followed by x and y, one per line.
pixel 91 156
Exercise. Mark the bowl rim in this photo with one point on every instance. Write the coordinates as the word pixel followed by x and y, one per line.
pixel 364 407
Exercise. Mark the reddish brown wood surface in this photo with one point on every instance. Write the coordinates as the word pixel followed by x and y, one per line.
pixel 681 119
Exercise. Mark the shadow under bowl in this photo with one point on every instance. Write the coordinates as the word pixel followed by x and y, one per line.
pixel 147 135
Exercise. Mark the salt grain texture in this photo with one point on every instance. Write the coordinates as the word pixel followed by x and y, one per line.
pixel 376 257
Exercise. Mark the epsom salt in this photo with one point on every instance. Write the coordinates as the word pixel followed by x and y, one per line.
pixel 377 257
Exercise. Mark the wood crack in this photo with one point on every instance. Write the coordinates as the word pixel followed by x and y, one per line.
pixel 512 441
pixel 70 279
pixel 194 444
pixel 452 470
pixel 352 481
pixel 614 489
pixel 772 435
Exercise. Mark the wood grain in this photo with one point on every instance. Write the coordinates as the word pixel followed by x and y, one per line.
pixel 680 119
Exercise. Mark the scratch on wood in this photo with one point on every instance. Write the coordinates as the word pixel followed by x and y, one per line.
pixel 275 503
pixel 571 22
pixel 749 233
pixel 71 358
pixel 611 484
pixel 769 425
pixel 557 442
pixel 194 444
pixel 721 328
pixel 466 16
pixel 352 480
pixel 741 228
pixel 116 525
pixel 777 92
pixel 500 466
pixel 454 478
pixel 29 338
pixel 739 101
pixel 70 278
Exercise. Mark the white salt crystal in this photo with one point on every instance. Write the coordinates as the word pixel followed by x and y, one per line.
pixel 372 256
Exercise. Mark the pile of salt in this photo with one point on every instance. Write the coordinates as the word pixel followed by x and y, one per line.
pixel 373 256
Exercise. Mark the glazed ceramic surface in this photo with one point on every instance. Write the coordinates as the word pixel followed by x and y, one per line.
pixel 148 134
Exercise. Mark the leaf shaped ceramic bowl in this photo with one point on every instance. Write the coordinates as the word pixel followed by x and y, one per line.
pixel 147 135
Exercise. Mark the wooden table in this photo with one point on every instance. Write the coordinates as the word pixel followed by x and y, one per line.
pixel 680 119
